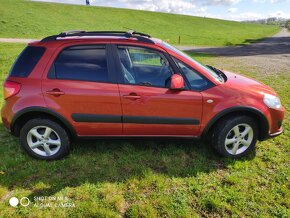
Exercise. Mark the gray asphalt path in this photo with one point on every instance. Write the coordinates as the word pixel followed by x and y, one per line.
pixel 13 40
pixel 278 44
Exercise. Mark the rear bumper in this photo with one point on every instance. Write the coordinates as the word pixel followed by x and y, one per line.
pixel 7 129
pixel 5 115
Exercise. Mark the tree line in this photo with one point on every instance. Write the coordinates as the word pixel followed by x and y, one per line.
pixel 282 22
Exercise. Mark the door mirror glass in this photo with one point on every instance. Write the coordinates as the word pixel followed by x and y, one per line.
pixel 176 82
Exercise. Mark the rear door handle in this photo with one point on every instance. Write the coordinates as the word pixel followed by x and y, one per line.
pixel 55 92
pixel 132 96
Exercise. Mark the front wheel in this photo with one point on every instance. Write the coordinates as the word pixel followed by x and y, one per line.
pixel 44 139
pixel 235 136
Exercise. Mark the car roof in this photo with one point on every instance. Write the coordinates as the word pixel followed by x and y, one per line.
pixel 61 40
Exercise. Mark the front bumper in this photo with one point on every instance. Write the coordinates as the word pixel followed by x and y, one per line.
pixel 275 119
pixel 272 135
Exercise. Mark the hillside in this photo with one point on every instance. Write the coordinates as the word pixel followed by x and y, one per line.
pixel 25 19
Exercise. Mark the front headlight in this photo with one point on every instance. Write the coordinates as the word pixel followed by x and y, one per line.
pixel 272 101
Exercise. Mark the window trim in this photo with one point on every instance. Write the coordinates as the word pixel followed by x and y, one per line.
pixel 109 58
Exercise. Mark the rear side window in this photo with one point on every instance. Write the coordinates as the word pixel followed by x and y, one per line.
pixel 26 61
pixel 87 63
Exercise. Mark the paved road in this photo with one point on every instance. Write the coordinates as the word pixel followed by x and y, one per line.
pixel 13 40
pixel 268 57
pixel 278 44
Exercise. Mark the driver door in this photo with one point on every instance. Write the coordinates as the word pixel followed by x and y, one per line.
pixel 149 106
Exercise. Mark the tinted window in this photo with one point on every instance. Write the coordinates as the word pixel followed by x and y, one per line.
pixel 197 82
pixel 144 66
pixel 208 69
pixel 88 63
pixel 26 61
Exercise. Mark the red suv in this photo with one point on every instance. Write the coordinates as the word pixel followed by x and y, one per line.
pixel 96 84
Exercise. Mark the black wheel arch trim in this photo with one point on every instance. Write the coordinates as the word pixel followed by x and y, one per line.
pixel 46 111
pixel 264 129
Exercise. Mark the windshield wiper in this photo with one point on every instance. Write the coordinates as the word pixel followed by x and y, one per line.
pixel 218 72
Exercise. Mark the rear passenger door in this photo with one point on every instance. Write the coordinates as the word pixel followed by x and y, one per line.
pixel 80 85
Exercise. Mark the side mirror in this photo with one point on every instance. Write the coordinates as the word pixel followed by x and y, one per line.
pixel 176 82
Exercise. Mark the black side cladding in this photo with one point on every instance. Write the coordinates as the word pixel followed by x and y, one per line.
pixel 26 61
pixel 106 118
pixel 97 118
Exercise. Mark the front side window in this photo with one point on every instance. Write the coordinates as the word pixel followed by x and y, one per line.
pixel 215 75
pixel 197 82
pixel 87 63
pixel 142 66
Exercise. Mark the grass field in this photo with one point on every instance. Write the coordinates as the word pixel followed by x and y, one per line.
pixel 24 19
pixel 135 178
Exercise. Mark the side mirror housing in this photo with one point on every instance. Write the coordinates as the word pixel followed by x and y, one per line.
pixel 176 82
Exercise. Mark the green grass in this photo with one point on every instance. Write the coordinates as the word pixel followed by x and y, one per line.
pixel 24 19
pixel 144 178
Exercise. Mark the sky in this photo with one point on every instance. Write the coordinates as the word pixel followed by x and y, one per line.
pixel 238 10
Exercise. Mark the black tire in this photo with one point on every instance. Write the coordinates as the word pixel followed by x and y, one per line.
pixel 224 130
pixel 58 132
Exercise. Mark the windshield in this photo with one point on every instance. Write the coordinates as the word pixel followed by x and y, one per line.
pixel 209 70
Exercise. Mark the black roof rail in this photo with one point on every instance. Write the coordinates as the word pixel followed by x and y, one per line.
pixel 129 34
pixel 72 32
pixel 132 32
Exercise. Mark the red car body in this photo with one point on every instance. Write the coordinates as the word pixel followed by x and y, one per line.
pixel 124 106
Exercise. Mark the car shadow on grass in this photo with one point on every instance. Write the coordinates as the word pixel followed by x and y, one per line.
pixel 106 160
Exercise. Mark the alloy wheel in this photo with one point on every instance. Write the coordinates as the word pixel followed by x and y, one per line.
pixel 43 140
pixel 239 138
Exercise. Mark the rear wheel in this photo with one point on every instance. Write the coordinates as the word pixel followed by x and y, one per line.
pixel 44 139
pixel 235 136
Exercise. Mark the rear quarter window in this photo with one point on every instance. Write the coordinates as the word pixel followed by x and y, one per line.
pixel 26 61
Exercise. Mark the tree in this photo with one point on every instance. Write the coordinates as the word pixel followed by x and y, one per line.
pixel 287 24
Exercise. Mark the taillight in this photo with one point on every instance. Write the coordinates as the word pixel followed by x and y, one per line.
pixel 11 88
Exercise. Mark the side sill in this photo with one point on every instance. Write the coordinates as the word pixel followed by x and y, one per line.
pixel 138 137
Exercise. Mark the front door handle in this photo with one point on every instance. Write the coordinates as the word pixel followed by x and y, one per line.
pixel 55 92
pixel 132 96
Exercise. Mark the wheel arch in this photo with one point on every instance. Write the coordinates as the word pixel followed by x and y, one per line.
pixel 22 116
pixel 249 111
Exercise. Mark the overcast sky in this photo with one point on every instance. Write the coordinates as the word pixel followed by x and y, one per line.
pixel 224 9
